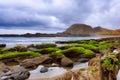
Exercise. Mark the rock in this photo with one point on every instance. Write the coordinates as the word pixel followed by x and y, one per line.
pixel 83 60
pixel 20 48
pixel 6 69
pixel 16 73
pixel 66 62
pixel 43 69
pixel 34 62
pixel 54 65
pixel 2 66
pixel 31 49
pixel 2 45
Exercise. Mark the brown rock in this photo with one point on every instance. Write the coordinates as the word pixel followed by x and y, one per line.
pixel 2 66
pixel 32 63
pixel 66 62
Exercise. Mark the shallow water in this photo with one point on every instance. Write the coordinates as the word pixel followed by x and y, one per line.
pixel 54 71
pixel 118 76
pixel 13 41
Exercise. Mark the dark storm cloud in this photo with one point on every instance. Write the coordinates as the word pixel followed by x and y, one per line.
pixel 57 15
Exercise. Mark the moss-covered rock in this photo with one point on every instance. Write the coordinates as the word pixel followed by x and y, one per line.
pixel 41 46
pixel 16 54
pixel 2 45
pixel 31 46
pixel 74 51
pixel 89 52
pixel 86 46
pixel 65 47
pixel 48 50
pixel 110 62
pixel 16 49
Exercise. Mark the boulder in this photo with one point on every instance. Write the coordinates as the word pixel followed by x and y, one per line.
pixel 66 62
pixel 16 73
pixel 2 45
pixel 34 62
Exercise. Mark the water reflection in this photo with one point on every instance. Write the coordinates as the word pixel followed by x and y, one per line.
pixel 52 72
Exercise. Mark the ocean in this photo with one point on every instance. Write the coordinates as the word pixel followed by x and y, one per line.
pixel 14 41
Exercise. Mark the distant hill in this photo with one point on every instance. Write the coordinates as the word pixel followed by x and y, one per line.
pixel 79 30
pixel 103 31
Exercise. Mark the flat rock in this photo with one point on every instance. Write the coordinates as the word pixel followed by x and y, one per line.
pixel 34 62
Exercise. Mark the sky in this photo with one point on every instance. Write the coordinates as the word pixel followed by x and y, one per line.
pixel 52 16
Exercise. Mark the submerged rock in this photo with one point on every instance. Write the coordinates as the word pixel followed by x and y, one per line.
pixel 43 69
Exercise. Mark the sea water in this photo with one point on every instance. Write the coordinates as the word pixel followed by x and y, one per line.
pixel 13 41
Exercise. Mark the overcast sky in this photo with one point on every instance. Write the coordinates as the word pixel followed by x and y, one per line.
pixel 51 16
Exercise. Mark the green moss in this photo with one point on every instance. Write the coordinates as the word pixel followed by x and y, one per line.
pixel 16 48
pixel 86 46
pixel 104 46
pixel 7 49
pixel 48 50
pixel 110 62
pixel 15 54
pixel 78 50
pixel 93 42
pixel 89 52
pixel 58 53
pixel 41 46
pixel 103 42
pixel 83 42
pixel 65 47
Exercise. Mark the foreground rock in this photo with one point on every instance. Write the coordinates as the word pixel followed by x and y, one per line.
pixel 97 70
pixel 66 62
pixel 16 73
pixel 34 62
pixel 2 66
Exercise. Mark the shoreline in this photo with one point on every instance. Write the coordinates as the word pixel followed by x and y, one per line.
pixel 41 54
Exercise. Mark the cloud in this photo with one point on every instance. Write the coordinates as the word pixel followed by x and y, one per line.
pixel 106 14
pixel 57 15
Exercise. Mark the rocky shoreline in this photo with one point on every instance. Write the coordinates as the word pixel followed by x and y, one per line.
pixel 32 56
